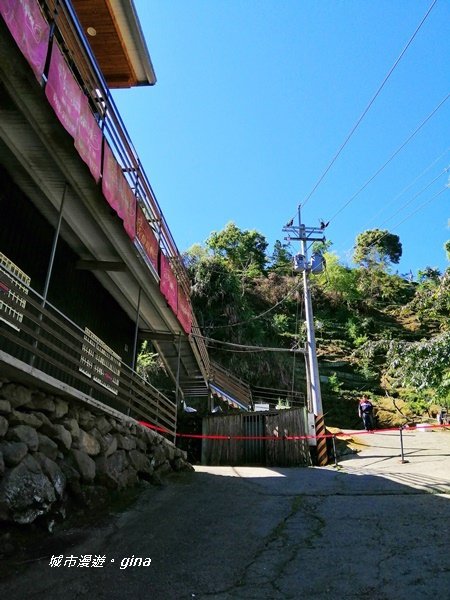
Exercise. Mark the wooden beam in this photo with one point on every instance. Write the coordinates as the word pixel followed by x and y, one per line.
pixel 157 336
pixel 100 265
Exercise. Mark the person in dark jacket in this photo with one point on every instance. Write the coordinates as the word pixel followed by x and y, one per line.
pixel 365 411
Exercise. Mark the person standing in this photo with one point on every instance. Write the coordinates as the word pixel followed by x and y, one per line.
pixel 365 411
pixel 442 417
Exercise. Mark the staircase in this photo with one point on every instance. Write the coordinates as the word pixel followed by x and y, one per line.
pixel 229 388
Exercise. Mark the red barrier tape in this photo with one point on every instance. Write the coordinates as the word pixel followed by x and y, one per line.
pixel 274 438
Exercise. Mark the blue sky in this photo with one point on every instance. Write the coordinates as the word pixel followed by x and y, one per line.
pixel 255 97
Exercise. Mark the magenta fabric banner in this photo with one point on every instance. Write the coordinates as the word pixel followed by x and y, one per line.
pixel 110 180
pixel 29 29
pixel 184 311
pixel 88 139
pixel 128 209
pixel 168 283
pixel 63 92
pixel 146 237
pixel 118 193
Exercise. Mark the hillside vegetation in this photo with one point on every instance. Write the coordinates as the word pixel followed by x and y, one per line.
pixel 376 331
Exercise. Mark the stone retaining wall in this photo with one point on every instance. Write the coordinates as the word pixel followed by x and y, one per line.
pixel 53 450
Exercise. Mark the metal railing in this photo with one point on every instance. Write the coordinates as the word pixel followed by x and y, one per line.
pixel 231 385
pixel 69 33
pixel 38 334
pixel 278 396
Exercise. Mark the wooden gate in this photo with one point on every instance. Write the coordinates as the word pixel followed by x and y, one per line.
pixel 252 449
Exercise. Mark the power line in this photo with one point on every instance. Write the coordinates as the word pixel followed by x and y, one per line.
pixel 261 349
pixel 409 186
pixel 408 216
pixel 260 315
pixel 421 206
pixel 446 170
pixel 410 137
pixel 366 110
pixel 248 347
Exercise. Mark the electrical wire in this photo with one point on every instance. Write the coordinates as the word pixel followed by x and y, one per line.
pixel 445 170
pixel 405 189
pixel 269 269
pixel 366 110
pixel 257 350
pixel 410 137
pixel 408 216
pixel 260 315
pixel 248 347
pixel 408 202
pixel 421 206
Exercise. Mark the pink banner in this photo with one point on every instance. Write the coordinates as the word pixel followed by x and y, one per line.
pixel 110 180
pixel 118 193
pixel 168 283
pixel 145 235
pixel 128 209
pixel 88 139
pixel 29 29
pixel 63 92
pixel 184 311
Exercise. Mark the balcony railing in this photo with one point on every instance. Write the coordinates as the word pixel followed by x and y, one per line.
pixel 67 30
pixel 39 335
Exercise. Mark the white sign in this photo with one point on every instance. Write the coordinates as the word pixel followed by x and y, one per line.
pixel 8 289
pixel 261 407
pixel 100 362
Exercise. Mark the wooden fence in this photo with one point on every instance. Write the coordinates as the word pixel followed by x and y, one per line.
pixel 253 449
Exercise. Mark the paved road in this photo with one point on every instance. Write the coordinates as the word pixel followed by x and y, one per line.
pixel 374 528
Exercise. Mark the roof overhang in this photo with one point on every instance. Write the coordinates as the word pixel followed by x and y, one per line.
pixel 114 33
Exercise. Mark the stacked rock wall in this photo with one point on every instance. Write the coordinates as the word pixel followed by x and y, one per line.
pixel 53 450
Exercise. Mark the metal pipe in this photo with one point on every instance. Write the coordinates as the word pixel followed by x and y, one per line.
pixel 402 455
pixel 334 450
pixel 136 330
pixel 54 245
pixel 177 383
pixel 49 270
pixel 134 358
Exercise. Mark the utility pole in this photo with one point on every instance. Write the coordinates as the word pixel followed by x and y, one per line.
pixel 305 235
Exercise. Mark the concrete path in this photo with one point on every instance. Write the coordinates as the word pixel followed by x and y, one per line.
pixel 372 528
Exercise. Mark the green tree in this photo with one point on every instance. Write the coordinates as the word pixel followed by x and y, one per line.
pixel 447 249
pixel 195 254
pixel 215 290
pixel 339 282
pixel 423 365
pixel 377 286
pixel 321 247
pixel 432 298
pixel 429 274
pixel 377 248
pixel 150 367
pixel 281 259
pixel 243 250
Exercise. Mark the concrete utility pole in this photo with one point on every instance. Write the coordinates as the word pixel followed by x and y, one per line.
pixel 305 235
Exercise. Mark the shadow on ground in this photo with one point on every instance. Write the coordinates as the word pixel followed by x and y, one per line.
pixel 244 532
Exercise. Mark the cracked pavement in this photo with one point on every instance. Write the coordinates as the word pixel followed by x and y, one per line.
pixel 373 527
